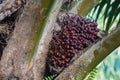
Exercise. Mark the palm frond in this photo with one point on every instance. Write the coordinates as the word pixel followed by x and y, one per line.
pixel 92 74
pixel 100 7
pixel 112 13
pixel 50 77
pixel 109 10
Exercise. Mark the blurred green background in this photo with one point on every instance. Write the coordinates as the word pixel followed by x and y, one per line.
pixel 109 68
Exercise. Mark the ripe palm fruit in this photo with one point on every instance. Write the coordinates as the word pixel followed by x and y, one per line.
pixel 76 34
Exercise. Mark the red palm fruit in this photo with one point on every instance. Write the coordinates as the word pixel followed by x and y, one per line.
pixel 67 59
pixel 63 56
pixel 76 34
pixel 67 46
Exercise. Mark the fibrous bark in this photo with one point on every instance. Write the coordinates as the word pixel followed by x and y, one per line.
pixel 14 61
pixel 8 7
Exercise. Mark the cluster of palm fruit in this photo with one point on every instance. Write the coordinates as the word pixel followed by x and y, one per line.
pixel 76 34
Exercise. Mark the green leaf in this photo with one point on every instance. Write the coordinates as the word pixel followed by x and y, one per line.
pixel 106 11
pixel 110 21
pixel 49 77
pixel 95 8
pixel 101 5
pixel 117 12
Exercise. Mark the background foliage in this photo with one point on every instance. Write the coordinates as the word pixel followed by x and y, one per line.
pixel 106 13
pixel 109 69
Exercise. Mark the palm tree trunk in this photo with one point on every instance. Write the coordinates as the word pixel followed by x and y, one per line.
pixel 14 61
pixel 24 56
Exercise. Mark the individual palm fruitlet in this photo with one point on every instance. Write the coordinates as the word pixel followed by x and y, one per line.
pixel 75 35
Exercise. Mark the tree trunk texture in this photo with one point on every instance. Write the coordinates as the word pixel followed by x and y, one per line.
pixel 14 61
pixel 14 64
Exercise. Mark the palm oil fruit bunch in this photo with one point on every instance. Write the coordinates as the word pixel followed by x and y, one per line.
pixel 76 34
